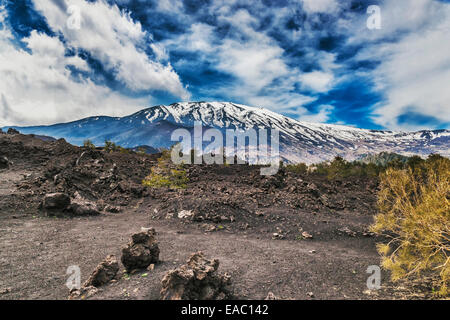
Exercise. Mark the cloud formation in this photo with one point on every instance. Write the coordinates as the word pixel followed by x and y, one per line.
pixel 37 86
pixel 111 36
pixel 314 60
pixel 414 72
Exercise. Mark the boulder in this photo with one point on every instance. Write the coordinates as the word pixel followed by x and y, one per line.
pixel 113 209
pixel 271 296
pixel 56 201
pixel 12 131
pixel 83 207
pixel 185 214
pixel 104 273
pixel 83 293
pixel 196 280
pixel 142 251
pixel 4 163
pixel 312 189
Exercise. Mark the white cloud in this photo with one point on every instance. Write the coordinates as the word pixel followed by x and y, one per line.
pixel 255 61
pixel 255 64
pixel 320 6
pixel 37 87
pixel 170 6
pixel 317 80
pixel 414 71
pixel 252 57
pixel 283 102
pixel 199 38
pixel 112 37
pixel 323 114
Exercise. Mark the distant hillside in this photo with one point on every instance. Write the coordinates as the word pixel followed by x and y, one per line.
pixel 299 141
pixel 382 158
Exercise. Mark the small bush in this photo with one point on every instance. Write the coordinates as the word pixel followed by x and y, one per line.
pixel 122 149
pixel 112 147
pixel 172 178
pixel 164 174
pixel 396 164
pixel 141 151
pixel 299 168
pixel 339 168
pixel 414 211
pixel 88 144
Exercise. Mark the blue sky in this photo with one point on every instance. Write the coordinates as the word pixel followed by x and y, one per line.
pixel 312 60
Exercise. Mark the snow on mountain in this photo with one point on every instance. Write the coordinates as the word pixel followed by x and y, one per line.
pixel 299 141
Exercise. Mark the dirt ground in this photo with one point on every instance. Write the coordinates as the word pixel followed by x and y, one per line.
pixel 255 226
pixel 35 253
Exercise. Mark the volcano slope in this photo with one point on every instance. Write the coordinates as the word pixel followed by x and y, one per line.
pixel 298 236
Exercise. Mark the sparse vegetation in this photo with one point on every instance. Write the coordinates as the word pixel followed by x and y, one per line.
pixel 141 151
pixel 414 212
pixel 165 174
pixel 113 147
pixel 339 168
pixel 383 158
pixel 371 166
pixel 88 144
pixel 299 168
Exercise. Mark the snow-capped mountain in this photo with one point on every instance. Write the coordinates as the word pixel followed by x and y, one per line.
pixel 299 141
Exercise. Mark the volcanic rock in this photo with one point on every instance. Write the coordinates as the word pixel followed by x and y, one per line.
pixel 56 201
pixel 83 292
pixel 4 163
pixel 141 251
pixel 104 273
pixel 12 131
pixel 83 207
pixel 271 296
pixel 196 280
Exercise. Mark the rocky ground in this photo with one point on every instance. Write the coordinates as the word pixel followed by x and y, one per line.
pixel 296 236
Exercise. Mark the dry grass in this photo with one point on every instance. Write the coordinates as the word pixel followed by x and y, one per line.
pixel 415 213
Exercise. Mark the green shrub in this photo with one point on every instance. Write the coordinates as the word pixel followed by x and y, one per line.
pixel 415 162
pixel 172 178
pixel 88 144
pixel 299 168
pixel 396 164
pixel 122 149
pixel 141 151
pixel 382 159
pixel 339 168
pixel 165 174
pixel 112 147
pixel 414 211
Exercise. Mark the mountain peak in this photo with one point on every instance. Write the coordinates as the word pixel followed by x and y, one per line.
pixel 299 141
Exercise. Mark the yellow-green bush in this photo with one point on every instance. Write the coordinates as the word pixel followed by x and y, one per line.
pixel 88 144
pixel 164 174
pixel 174 178
pixel 339 168
pixel 414 212
pixel 141 151
pixel 299 168
pixel 112 147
